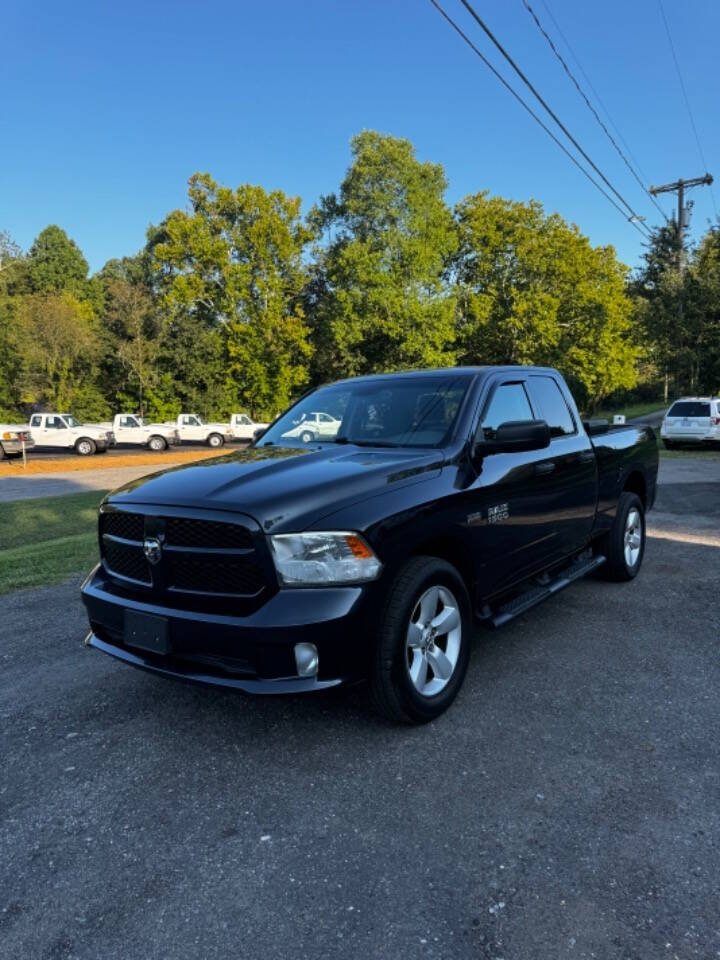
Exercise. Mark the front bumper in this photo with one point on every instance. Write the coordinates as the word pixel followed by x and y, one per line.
pixel 253 653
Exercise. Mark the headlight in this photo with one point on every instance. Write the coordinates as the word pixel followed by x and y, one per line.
pixel 333 557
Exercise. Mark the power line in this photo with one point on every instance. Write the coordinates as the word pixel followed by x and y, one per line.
pixel 594 92
pixel 532 113
pixel 590 107
pixel 547 107
pixel 686 98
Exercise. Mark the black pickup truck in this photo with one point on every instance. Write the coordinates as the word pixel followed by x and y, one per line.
pixel 363 534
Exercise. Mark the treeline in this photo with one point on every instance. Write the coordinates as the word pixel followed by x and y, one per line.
pixel 240 303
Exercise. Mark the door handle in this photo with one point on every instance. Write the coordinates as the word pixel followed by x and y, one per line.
pixel 543 468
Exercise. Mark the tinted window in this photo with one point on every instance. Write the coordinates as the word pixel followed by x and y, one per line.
pixel 550 405
pixel 689 408
pixel 403 411
pixel 509 402
pixel 36 421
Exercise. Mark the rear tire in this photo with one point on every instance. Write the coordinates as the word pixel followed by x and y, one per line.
pixel 85 447
pixel 624 544
pixel 157 443
pixel 215 440
pixel 423 644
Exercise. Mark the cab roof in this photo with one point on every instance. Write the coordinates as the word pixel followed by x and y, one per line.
pixel 449 371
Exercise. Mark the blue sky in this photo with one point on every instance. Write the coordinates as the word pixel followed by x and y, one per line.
pixel 108 108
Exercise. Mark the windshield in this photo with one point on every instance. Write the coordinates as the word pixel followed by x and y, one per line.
pixel 70 420
pixel 398 412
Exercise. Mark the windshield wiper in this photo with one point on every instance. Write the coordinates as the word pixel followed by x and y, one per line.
pixel 364 443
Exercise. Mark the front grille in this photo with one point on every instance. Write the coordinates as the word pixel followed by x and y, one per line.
pixel 126 561
pixel 210 558
pixel 215 575
pixel 129 526
pixel 184 532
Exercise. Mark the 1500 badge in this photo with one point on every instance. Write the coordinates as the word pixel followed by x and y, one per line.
pixel 498 513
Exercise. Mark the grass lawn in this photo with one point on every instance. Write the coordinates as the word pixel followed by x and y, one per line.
pixel 48 539
pixel 693 453
pixel 631 410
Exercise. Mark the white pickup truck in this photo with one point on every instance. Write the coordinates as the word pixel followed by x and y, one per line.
pixel 191 428
pixel 63 431
pixel 12 438
pixel 129 428
pixel 244 427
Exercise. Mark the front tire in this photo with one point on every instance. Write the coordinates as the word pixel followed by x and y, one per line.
pixel 215 440
pixel 306 436
pixel 423 644
pixel 157 444
pixel 624 544
pixel 85 447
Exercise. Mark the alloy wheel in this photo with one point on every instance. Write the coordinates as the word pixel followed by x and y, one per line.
pixel 633 537
pixel 433 640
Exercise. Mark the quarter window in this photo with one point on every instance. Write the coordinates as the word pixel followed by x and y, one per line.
pixel 551 406
pixel 509 402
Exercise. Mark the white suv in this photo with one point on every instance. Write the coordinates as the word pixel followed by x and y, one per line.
pixel 692 420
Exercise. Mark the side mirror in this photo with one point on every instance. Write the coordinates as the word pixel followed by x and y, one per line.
pixel 515 436
pixel 594 428
pixel 259 433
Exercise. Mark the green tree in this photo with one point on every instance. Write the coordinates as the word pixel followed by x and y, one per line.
pixel 666 297
pixel 131 312
pixel 59 340
pixel 705 275
pixel 130 328
pixel 378 296
pixel 12 268
pixel 532 289
pixel 229 275
pixel 55 263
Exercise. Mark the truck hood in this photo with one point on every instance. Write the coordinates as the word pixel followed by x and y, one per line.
pixel 284 489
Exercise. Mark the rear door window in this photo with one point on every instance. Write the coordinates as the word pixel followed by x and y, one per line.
pixel 689 408
pixel 551 406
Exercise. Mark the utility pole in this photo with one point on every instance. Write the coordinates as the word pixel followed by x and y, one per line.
pixel 683 209
pixel 682 224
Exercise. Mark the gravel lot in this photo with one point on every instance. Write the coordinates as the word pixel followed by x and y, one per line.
pixel 568 806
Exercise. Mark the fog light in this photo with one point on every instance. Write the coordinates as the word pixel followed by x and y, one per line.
pixel 306 659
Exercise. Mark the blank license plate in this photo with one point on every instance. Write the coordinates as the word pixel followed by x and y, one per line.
pixel 147 632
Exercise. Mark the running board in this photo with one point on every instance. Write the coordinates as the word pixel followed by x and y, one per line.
pixel 533 596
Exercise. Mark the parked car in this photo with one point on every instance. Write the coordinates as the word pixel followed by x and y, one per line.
pixel 191 428
pixel 12 439
pixel 63 431
pixel 692 420
pixel 312 426
pixel 137 431
pixel 244 427
pixel 446 497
